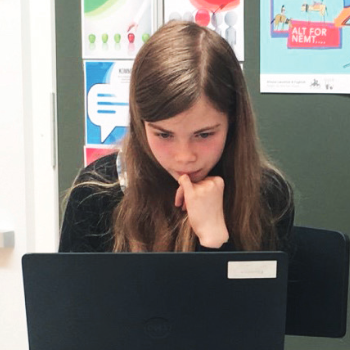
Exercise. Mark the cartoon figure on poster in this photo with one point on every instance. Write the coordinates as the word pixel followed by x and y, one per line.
pixel 223 16
pixel 113 29
pixel 320 31
pixel 107 101
pixel 281 22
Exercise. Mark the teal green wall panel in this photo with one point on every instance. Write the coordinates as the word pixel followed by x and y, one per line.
pixel 70 91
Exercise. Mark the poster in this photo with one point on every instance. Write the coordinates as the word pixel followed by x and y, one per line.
pixel 225 17
pixel 92 153
pixel 106 101
pixel 305 46
pixel 116 29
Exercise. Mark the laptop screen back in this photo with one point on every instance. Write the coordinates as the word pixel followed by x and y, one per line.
pixel 172 301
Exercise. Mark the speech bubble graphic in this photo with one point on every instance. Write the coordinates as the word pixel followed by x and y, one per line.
pixel 107 108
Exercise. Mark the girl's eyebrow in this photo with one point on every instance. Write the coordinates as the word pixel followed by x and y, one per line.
pixel 205 129
pixel 208 128
pixel 153 126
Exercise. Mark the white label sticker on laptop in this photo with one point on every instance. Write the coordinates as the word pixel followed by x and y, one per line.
pixel 252 269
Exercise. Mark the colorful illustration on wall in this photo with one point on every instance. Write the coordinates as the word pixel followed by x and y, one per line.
pixel 106 101
pixel 226 17
pixel 114 29
pixel 305 46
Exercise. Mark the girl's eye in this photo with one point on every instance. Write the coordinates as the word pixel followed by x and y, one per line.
pixel 204 135
pixel 163 135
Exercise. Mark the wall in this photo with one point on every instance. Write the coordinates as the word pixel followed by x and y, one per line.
pixel 28 177
pixel 307 135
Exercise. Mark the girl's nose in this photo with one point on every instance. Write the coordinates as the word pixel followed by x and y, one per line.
pixel 184 153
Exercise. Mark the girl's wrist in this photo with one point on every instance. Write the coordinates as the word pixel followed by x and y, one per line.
pixel 214 241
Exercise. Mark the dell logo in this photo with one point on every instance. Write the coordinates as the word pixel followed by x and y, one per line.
pixel 157 328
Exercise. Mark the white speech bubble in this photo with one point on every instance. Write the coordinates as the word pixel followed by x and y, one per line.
pixel 107 108
pixel 107 102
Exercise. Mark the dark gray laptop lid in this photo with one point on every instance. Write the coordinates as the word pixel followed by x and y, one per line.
pixel 173 301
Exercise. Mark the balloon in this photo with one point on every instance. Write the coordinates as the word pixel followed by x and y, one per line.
pixel 215 5
pixel 202 17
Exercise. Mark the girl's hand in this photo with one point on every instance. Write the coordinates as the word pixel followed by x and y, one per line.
pixel 204 204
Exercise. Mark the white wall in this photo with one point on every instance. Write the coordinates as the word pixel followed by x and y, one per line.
pixel 28 177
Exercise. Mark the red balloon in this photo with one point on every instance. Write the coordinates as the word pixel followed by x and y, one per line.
pixel 202 17
pixel 215 5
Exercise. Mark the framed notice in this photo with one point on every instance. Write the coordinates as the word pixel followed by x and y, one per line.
pixel 106 101
pixel 305 46
pixel 226 17
pixel 116 29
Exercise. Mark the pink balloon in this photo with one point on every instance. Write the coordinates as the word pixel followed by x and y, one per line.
pixel 202 17
pixel 215 5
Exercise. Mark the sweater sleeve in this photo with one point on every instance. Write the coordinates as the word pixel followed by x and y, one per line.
pixel 226 247
pixel 87 221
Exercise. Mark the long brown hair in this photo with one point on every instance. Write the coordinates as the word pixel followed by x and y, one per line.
pixel 179 63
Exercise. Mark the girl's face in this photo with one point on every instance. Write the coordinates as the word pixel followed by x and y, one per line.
pixel 190 143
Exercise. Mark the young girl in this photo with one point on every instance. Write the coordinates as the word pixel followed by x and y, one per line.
pixel 191 175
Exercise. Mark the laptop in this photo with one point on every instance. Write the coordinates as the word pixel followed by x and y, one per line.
pixel 165 301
